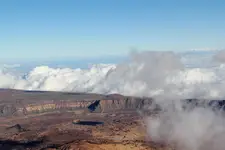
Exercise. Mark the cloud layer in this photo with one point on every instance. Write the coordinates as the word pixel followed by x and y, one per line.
pixel 157 74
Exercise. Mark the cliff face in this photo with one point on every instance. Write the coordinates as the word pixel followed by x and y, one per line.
pixel 124 103
pixel 12 106
pixel 22 103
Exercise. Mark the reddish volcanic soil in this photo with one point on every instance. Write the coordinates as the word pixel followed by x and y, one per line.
pixel 120 130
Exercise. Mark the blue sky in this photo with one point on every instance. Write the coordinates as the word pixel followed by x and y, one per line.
pixel 41 29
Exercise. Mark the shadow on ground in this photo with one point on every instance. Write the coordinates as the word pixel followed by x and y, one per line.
pixel 19 145
pixel 89 123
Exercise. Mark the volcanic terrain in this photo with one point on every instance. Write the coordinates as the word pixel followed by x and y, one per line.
pixel 39 120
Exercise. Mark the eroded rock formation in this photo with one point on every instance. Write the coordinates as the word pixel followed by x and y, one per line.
pixel 20 103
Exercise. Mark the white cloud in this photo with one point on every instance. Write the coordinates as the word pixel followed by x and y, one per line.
pixel 199 129
pixel 204 49
pixel 144 74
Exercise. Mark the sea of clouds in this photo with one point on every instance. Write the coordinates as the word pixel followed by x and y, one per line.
pixel 155 74
pixel 165 76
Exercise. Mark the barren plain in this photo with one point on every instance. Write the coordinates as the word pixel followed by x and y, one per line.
pixel 38 120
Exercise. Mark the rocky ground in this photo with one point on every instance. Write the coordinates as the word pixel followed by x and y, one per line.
pixel 118 131
pixel 123 129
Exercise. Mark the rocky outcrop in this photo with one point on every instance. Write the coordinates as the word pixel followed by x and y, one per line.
pixel 22 103
pixel 190 104
pixel 123 103
pixel 16 105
